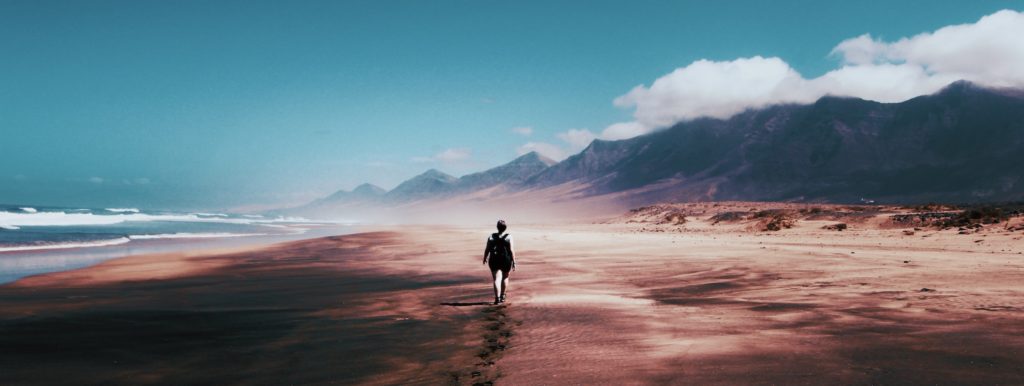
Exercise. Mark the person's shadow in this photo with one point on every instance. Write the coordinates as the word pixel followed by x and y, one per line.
pixel 466 304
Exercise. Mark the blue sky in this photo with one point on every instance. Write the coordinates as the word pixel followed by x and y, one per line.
pixel 235 104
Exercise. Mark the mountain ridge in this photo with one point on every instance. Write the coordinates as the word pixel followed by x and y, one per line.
pixel 962 143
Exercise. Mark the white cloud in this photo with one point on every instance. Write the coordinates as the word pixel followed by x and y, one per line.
pixel 452 155
pixel 623 130
pixel 573 140
pixel 715 89
pixel 883 82
pixel 525 131
pixel 577 139
pixel 988 52
pixel 554 152
pixel 860 50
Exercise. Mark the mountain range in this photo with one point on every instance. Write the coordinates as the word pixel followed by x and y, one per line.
pixel 964 143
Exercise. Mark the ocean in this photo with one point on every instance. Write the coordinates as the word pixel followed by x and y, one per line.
pixel 39 239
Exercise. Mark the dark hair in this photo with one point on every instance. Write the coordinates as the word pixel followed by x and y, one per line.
pixel 501 226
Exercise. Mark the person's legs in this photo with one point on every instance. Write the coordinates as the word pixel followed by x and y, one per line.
pixel 504 286
pixel 499 279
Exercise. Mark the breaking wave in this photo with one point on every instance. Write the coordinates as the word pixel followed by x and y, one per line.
pixel 13 220
pixel 121 240
pixel 122 210
pixel 186 235
pixel 77 244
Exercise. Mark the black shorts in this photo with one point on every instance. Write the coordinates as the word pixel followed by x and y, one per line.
pixel 503 266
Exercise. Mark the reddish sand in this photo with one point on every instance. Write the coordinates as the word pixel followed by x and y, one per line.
pixel 615 303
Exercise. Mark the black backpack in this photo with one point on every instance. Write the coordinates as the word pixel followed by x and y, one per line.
pixel 500 249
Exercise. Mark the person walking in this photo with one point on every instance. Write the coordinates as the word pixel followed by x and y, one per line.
pixel 502 260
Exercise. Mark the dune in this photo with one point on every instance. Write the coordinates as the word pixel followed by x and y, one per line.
pixel 663 295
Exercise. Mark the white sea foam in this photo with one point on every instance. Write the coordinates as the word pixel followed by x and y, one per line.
pixel 123 240
pixel 122 210
pixel 28 210
pixel 77 244
pixel 71 219
pixel 186 235
pixel 211 214
pixel 9 227
pixel 9 220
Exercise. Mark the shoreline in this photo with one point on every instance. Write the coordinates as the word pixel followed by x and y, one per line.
pixel 15 265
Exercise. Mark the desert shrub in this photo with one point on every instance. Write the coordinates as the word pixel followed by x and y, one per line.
pixel 770 213
pixel 968 217
pixel 922 219
pixel 778 222
pixel 930 207
pixel 674 217
pixel 979 215
pixel 642 209
pixel 812 210
pixel 835 227
pixel 728 217
pixel 775 219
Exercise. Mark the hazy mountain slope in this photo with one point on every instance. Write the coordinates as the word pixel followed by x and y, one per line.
pixel 361 192
pixel 432 183
pixel 514 173
pixel 964 143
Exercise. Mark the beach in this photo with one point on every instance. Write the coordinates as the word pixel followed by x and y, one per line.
pixel 697 193
pixel 624 301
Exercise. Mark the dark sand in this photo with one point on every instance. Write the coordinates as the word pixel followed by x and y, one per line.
pixel 590 304
pixel 353 309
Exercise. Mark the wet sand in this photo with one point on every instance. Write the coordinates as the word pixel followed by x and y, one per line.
pixel 590 304
pixel 354 309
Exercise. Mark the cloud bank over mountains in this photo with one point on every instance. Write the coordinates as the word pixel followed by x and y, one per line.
pixel 573 140
pixel 988 52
